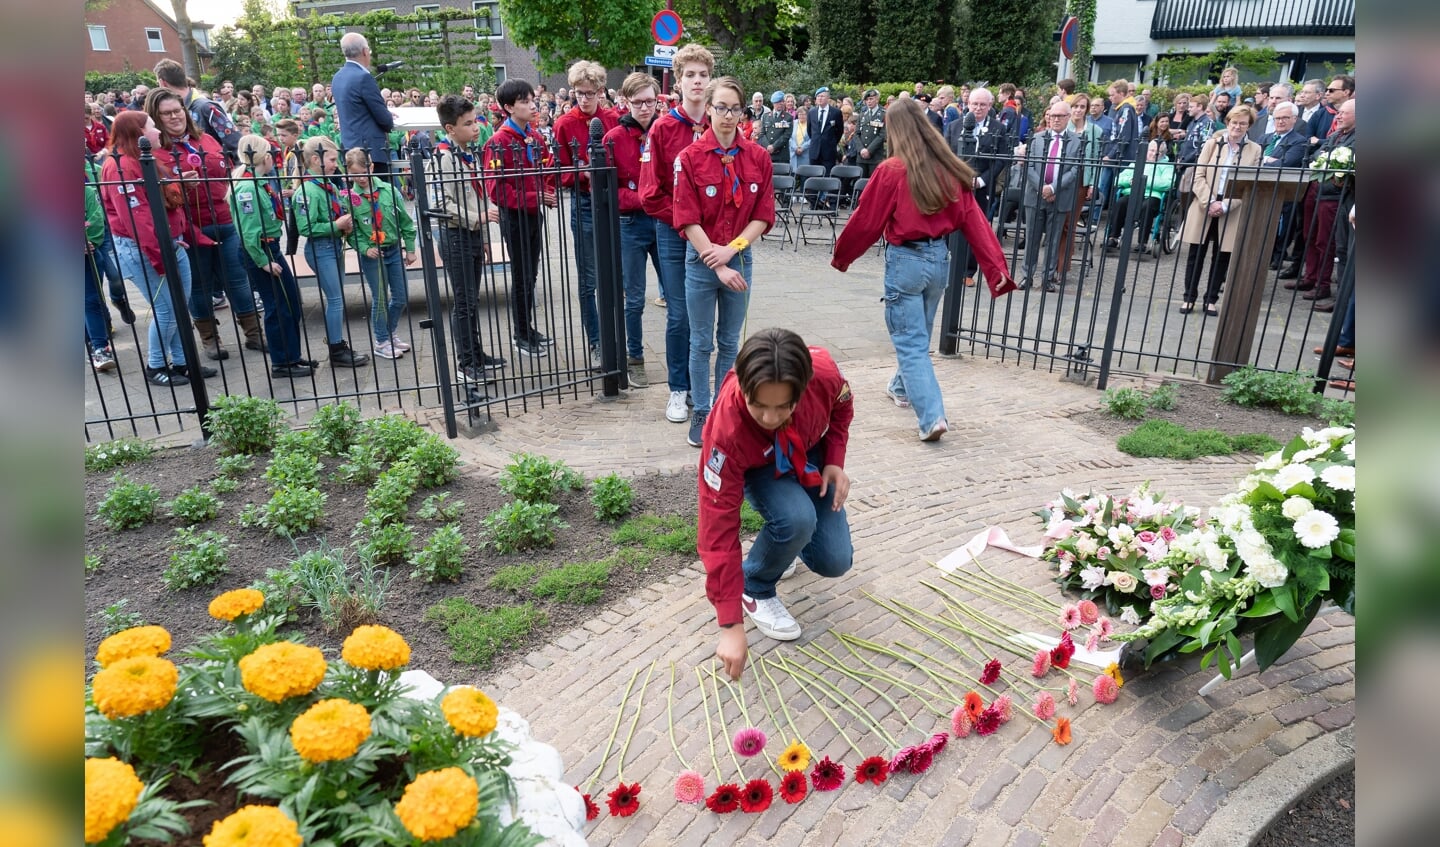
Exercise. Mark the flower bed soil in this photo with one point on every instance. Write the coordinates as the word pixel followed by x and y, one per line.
pixel 133 560
pixel 1201 407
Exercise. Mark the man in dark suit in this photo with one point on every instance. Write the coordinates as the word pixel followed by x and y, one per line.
pixel 1051 178
pixel 980 139
pixel 362 113
pixel 824 130
pixel 1286 147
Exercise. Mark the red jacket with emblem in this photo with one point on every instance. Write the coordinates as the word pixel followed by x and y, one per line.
pixel 205 203
pixel 127 208
pixel 573 127
pixel 627 146
pixel 514 163
pixel 703 193
pixel 669 135
pixel 734 444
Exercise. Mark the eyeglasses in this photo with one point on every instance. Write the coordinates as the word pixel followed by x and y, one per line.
pixel 728 111
pixel 585 95
pixel 172 113
pixel 643 104
pixel 1340 88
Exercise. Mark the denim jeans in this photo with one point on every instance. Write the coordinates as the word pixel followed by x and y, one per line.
pixel 582 226
pixel 389 290
pixel 164 335
pixel 798 522
pixel 915 280
pixel 281 297
pixel 637 243
pixel 1102 191
pixel 217 266
pixel 716 315
pixel 97 315
pixel 672 249
pixel 326 257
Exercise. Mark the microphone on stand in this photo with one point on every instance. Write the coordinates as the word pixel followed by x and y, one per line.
pixel 388 66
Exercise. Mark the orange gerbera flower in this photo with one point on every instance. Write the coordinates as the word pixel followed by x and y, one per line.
pixel 974 705
pixel 1061 732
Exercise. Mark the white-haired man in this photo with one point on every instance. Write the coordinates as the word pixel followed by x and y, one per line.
pixel 364 118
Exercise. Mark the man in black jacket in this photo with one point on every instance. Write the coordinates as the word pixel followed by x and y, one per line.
pixel 826 126
pixel 983 142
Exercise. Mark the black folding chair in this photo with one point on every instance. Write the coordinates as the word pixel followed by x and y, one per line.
pixel 847 174
pixel 784 187
pixel 781 168
pixel 815 188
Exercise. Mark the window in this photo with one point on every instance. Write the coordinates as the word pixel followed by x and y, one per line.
pixel 98 39
pixel 1110 68
pixel 499 73
pixel 389 26
pixel 156 39
pixel 427 29
pixel 487 19
pixel 202 38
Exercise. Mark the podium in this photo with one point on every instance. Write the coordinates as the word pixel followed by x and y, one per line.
pixel 1264 192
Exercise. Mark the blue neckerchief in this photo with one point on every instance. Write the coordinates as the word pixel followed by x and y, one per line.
pixel 525 136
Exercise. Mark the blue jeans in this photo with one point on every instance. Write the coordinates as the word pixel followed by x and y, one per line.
pixel 389 290
pixel 326 257
pixel 915 280
pixel 1102 191
pixel 637 242
pixel 798 522
pixel 214 267
pixel 281 297
pixel 582 226
pixel 164 330
pixel 716 315
pixel 671 248
pixel 97 316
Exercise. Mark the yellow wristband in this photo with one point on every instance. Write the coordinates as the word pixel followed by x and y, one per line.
pixel 740 243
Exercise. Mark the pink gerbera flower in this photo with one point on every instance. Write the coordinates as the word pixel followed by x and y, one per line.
pixel 749 741
pixel 1072 693
pixel 1045 706
pixel 1106 626
pixel 937 742
pixel 1105 689
pixel 690 787
pixel 1003 707
pixel 1069 616
pixel 903 758
pixel 1042 664
pixel 1093 642
pixel 924 757
pixel 991 673
pixel 960 723
pixel 1089 612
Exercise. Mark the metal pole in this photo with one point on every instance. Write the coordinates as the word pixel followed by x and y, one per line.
pixel 1127 234
pixel 950 307
pixel 605 213
pixel 665 74
pixel 150 175
pixel 435 321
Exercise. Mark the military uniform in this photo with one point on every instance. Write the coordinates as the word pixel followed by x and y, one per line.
pixel 871 135
pixel 774 134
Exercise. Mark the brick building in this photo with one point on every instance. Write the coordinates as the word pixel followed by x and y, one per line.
pixel 135 34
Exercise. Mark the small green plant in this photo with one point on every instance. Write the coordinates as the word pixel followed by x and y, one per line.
pixel 391 436
pixel 234 465
pixel 443 557
pixel 244 424
pixel 634 558
pixel 1172 441
pixel 290 512
pixel 195 505
pixel 536 479
pixel 362 464
pixel 196 559
pixel 435 460
pixel 522 526
pixel 388 500
pixel 581 582
pixel 514 578
pixel 1254 442
pixel 386 544
pixel 1128 403
pixel 92 564
pixel 612 497
pixel 337 425
pixel 344 597
pixel 293 469
pixel 1337 412
pixel 663 534
pixel 1291 392
pixel 128 504
pixel 115 618
pixel 113 454
pixel 477 636
pixel 300 441
pixel 1165 397
pixel 223 485
pixel 437 507
pixel 750 520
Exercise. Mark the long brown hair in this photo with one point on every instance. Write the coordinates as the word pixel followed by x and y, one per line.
pixel 152 108
pixel 935 174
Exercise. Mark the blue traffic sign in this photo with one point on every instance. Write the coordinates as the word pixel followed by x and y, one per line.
pixel 658 61
pixel 1070 37
pixel 666 27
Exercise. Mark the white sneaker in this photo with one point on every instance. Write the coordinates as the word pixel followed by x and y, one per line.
pixel 386 350
pixel 400 344
pixel 934 433
pixel 675 410
pixel 790 571
pixel 771 618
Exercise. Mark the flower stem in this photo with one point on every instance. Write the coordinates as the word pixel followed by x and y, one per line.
pixel 605 757
pixel 909 687
pixel 709 728
pixel 835 665
pixel 724 733
pixel 856 710
pixel 786 666
pixel 851 642
pixel 780 732
pixel 639 704
pixel 784 707
pixel 670 718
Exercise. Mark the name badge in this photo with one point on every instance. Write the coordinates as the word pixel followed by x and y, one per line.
pixel 631 185
pixel 754 188
pixel 709 191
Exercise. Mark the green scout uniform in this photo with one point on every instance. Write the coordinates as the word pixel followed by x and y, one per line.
pixel 255 217
pixel 391 207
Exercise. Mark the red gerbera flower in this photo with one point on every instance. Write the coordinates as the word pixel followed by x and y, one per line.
pixel 924 757
pixel 874 769
pixel 757 796
pixel 988 722
pixel 974 705
pixel 990 673
pixel 793 787
pixel 827 775
pixel 901 761
pixel 725 800
pixel 1060 655
pixel 937 742
pixel 592 811
pixel 624 801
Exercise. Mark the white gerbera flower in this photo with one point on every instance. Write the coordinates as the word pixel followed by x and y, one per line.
pixel 1269 572
pixel 1092 578
pixel 1272 462
pixel 1129 615
pixel 1349 451
pixel 1310 453
pixel 1294 507
pixel 1339 477
pixel 1292 475
pixel 1316 528
pixel 1334 433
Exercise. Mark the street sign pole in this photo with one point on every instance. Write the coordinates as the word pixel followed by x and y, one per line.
pixel 665 76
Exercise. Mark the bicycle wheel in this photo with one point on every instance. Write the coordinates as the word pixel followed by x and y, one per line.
pixel 1174 220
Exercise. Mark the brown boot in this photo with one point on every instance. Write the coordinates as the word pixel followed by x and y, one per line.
pixel 250 324
pixel 210 339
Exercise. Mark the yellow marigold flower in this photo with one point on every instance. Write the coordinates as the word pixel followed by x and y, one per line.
pixel 469 711
pixel 375 648
pixel 438 804
pixel 134 686
pixel 281 670
pixel 233 604
pixel 796 757
pixel 136 641
pixel 330 730
pixel 111 791
pixel 255 826
pixel 1112 670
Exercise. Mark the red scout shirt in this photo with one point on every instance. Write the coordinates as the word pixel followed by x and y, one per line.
pixel 723 198
pixel 734 443
pixel 128 210
pixel 628 145
pixel 887 207
pixel 670 134
pixel 574 127
pixel 205 202
pixel 507 155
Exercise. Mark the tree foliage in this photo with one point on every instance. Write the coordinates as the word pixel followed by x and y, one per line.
pixel 1186 67
pixel 912 40
pixel 1084 11
pixel 840 36
pixel 1011 40
pixel 751 26
pixel 615 33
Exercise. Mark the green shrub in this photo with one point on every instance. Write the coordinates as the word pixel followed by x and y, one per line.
pixel 1165 397
pixel 435 460
pixel 476 636
pixel 92 564
pixel 386 544
pixel 663 534
pixel 195 505
pixel 300 442
pixel 612 497
pixel 514 577
pixel 337 424
pixel 1171 441
pixel 114 618
pixel 1337 412
pixel 443 557
pixel 634 558
pixel 582 582
pixel 293 469
pixel 113 454
pixel 536 479
pixel 750 520
pixel 362 464
pixel 1254 442
pixel 522 526
pixel 391 436
pixel 343 597
pixel 234 466
pixel 437 507
pixel 243 424
pixel 196 559
pixel 1128 403
pixel 223 485
pixel 290 512
pixel 128 504
pixel 1291 392
pixel 388 500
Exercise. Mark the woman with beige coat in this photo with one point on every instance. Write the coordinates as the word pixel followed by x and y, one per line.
pixel 1214 216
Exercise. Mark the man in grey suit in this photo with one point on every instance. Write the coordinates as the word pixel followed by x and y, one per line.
pixel 1052 176
pixel 364 118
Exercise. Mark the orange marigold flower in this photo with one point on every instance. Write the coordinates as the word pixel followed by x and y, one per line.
pixel 136 641
pixel 255 826
pixel 1061 732
pixel 330 730
pixel 233 604
pixel 111 792
pixel 438 804
pixel 134 686
pixel 469 711
pixel 375 648
pixel 283 669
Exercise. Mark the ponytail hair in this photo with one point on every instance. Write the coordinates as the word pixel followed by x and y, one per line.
pixel 247 151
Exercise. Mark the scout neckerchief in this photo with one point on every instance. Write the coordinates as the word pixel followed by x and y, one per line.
pixel 697 129
pixel 469 159
pixel 727 157
pixel 525 137
pixel 377 220
pixel 335 208
pixel 790 457
pixel 194 156
pixel 269 192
